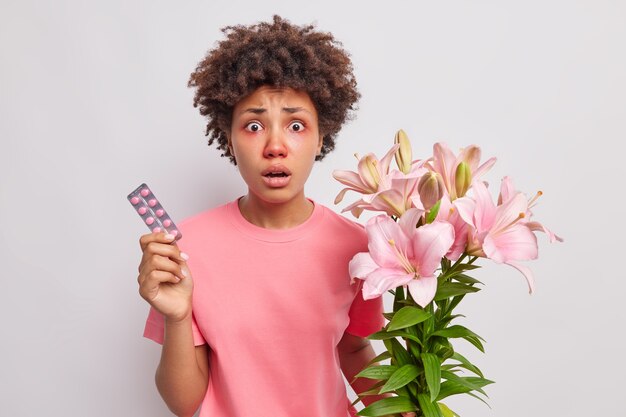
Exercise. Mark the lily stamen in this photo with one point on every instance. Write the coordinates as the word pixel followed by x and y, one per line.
pixel 401 257
pixel 533 200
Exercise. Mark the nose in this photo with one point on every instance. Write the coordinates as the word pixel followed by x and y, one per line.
pixel 275 146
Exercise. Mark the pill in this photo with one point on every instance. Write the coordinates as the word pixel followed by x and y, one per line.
pixel 152 202
pixel 145 192
pixel 156 230
pixel 160 212
pixel 134 200
pixel 167 222
pixel 149 220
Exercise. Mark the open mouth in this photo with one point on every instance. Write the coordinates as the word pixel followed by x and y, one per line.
pixel 277 176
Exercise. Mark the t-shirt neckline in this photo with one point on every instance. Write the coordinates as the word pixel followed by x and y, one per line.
pixel 274 235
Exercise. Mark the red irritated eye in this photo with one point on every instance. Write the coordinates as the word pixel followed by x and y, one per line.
pixel 254 127
pixel 296 126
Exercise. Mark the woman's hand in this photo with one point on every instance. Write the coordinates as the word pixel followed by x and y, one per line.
pixel 164 278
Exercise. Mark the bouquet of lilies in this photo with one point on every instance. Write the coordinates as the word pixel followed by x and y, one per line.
pixel 439 218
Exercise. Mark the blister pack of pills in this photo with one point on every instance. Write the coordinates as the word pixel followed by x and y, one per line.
pixel 152 212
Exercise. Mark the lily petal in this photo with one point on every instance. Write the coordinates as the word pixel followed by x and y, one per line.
pixel 351 179
pixel 485 209
pixel 381 231
pixel 383 279
pixel 516 243
pixel 486 166
pixel 528 274
pixel 538 227
pixel 423 289
pixel 430 243
pixel 408 221
pixel 361 266
pixel 507 190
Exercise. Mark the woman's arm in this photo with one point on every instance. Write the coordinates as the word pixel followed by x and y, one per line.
pixel 183 373
pixel 354 353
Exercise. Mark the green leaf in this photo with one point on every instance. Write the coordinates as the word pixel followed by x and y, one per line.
pixel 398 297
pixel 400 354
pixel 401 377
pixel 467 267
pixel 446 411
pixel 451 289
pixel 476 342
pixel 377 372
pixel 373 391
pixel 388 316
pixel 462 381
pixel 387 406
pixel 407 316
pixel 383 356
pixel 432 368
pixel 383 335
pixel 449 388
pixel 466 279
pixel 456 331
pixel 429 409
pixel 465 363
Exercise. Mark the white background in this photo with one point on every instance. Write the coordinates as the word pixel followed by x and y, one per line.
pixel 93 101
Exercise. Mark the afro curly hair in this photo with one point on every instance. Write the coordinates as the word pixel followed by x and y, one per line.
pixel 281 55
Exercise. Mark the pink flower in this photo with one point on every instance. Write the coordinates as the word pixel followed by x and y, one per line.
pixel 372 176
pixel 501 233
pixel 507 191
pixel 458 172
pixel 448 213
pixel 402 254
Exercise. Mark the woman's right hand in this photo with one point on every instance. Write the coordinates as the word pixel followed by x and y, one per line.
pixel 164 278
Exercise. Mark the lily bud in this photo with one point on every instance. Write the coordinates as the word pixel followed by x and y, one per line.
pixel 430 189
pixel 404 153
pixel 462 179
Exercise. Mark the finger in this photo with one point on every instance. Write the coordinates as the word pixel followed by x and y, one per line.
pixel 155 278
pixel 164 263
pixel 163 249
pixel 160 237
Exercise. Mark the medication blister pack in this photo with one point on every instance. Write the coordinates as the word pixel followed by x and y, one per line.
pixel 152 212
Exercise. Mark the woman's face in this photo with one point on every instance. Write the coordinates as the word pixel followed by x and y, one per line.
pixel 275 138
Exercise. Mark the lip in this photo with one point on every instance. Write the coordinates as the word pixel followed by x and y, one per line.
pixel 276 168
pixel 276 182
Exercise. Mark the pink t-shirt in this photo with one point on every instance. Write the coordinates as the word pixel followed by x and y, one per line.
pixel 272 306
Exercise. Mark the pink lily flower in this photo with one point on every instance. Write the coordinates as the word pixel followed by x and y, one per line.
pixel 399 197
pixel 500 233
pixel 507 191
pixel 458 172
pixel 371 176
pixel 402 254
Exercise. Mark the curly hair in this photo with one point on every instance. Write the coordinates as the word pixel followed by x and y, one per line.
pixel 278 54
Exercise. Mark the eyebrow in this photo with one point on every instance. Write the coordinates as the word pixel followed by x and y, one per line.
pixel 261 110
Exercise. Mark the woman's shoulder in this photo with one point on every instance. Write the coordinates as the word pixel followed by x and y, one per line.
pixel 342 224
pixel 207 218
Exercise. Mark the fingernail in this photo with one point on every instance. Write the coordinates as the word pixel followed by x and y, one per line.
pixel 185 272
pixel 169 236
pixel 184 256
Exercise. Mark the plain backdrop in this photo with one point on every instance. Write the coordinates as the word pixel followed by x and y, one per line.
pixel 94 101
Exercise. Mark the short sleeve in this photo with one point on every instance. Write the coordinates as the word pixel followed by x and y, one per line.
pixel 155 326
pixel 366 316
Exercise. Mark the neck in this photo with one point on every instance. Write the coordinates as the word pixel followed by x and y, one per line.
pixel 284 215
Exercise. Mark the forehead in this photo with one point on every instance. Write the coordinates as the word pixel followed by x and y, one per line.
pixel 269 96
